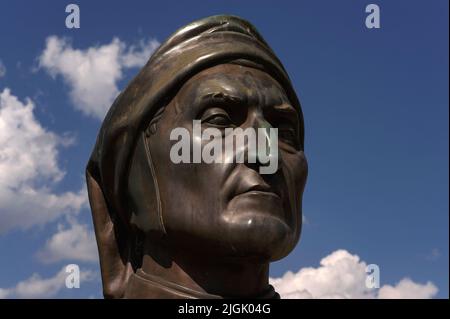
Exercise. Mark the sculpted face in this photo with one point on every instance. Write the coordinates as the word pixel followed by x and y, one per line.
pixel 230 209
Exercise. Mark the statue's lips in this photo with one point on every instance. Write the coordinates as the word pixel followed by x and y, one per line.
pixel 262 193
pixel 256 189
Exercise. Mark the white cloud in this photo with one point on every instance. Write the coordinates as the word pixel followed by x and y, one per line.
pixel 92 74
pixel 408 289
pixel 2 69
pixel 4 293
pixel 38 287
pixel 29 169
pixel 74 243
pixel 342 275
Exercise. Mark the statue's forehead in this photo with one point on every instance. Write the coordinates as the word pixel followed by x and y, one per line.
pixel 236 82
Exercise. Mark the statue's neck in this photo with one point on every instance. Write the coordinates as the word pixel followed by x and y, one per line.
pixel 167 274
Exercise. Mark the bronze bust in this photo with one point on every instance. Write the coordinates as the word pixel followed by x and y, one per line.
pixel 198 229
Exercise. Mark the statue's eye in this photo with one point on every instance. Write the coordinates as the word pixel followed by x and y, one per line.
pixel 287 135
pixel 217 117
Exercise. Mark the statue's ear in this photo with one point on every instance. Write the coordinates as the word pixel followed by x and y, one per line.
pixel 113 240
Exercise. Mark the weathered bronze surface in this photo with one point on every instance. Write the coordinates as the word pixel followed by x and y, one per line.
pixel 197 230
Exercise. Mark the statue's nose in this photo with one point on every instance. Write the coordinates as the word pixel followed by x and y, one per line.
pixel 266 150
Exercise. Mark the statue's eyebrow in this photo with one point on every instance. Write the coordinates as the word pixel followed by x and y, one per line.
pixel 287 112
pixel 285 108
pixel 220 96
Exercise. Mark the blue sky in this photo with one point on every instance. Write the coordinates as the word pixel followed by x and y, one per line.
pixel 375 103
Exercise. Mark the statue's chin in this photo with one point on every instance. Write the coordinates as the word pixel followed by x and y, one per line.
pixel 257 226
pixel 259 236
pixel 248 236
